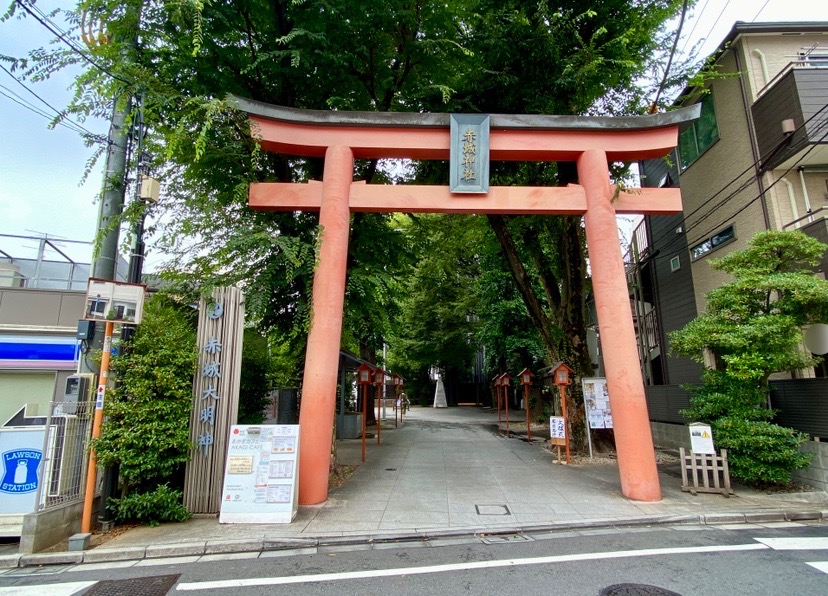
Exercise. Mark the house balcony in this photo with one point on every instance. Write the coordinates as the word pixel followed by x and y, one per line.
pixel 797 93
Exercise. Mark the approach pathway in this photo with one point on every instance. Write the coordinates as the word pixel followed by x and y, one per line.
pixel 448 469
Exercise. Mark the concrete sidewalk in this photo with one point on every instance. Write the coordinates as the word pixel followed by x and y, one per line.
pixel 447 473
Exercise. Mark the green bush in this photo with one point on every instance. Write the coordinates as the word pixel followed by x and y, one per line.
pixel 160 505
pixel 759 452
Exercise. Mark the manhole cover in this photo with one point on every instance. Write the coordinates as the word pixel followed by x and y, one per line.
pixel 492 510
pixel 636 590
pixel 157 585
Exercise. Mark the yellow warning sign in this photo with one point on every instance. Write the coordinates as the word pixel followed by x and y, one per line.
pixel 701 438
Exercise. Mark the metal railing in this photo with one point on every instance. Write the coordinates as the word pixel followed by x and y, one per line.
pixel 65 453
pixel 802 63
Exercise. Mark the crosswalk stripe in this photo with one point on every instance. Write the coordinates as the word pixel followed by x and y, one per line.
pixel 65 589
pixel 821 565
pixel 799 543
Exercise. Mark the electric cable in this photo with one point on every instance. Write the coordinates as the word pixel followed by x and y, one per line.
pixel 63 119
pixel 55 30
pixel 757 197
pixel 696 24
pixel 706 204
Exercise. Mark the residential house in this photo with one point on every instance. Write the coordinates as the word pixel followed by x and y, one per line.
pixel 756 159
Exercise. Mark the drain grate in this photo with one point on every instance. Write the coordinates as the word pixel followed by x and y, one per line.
pixel 157 585
pixel 636 590
pixel 492 510
pixel 506 539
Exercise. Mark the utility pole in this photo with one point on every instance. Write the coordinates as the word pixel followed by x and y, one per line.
pixel 112 195
pixel 105 264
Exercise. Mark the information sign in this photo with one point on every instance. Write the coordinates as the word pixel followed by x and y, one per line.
pixel 261 483
pixel 557 430
pixel 701 438
pixel 21 454
pixel 596 402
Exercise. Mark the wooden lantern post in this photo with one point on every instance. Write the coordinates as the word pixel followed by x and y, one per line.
pixel 526 380
pixel 379 381
pixel 561 375
pixel 364 377
pixel 505 382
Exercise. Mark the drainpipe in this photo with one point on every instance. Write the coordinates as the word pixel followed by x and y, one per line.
pixel 753 146
pixel 792 199
pixel 805 193
pixel 764 64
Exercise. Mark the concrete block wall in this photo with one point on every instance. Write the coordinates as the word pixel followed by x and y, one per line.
pixel 816 474
pixel 48 527
pixel 670 436
pixel 673 436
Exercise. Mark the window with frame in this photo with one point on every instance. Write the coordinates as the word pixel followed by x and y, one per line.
pixel 696 139
pixel 710 244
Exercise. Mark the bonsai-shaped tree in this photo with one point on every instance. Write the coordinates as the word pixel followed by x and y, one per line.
pixel 753 327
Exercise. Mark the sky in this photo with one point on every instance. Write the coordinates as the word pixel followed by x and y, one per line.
pixel 41 169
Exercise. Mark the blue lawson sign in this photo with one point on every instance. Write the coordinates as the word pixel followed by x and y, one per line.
pixel 21 454
pixel 20 471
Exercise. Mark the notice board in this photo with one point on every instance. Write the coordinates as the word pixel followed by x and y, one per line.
pixel 261 474
pixel 596 402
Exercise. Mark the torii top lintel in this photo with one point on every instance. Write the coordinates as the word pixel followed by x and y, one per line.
pixel 514 137
pixel 521 137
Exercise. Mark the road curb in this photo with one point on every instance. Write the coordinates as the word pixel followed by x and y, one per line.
pixel 301 545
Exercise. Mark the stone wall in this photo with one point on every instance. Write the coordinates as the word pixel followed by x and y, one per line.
pixel 47 528
pixel 673 436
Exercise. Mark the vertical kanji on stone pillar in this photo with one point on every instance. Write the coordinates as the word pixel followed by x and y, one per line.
pixel 316 416
pixel 633 438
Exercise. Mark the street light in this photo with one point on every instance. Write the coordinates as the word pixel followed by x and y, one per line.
pixel 364 379
pixel 526 380
pixel 560 373
pixel 379 380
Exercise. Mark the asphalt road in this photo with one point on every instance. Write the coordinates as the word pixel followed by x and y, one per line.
pixel 688 560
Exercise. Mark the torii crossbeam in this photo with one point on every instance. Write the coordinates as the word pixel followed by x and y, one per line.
pixel 591 142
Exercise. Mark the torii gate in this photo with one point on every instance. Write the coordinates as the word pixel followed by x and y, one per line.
pixel 591 142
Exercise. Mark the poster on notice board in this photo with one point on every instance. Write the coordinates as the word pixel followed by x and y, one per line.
pixel 261 475
pixel 596 402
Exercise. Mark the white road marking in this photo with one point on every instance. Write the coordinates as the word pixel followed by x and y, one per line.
pixel 802 543
pixel 66 589
pixel 99 566
pixel 821 565
pixel 402 571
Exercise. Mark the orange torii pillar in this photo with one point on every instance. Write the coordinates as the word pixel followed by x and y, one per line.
pixel 589 141
pixel 639 475
pixel 322 356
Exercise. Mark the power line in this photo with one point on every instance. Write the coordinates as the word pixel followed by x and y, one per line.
pixel 62 118
pixel 696 24
pixel 775 182
pixel 711 229
pixel 44 20
pixel 756 16
pixel 716 20
pixel 772 153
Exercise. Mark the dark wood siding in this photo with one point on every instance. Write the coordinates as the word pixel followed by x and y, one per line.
pixel 802 404
pixel 798 95
pixel 652 171
pixel 674 296
pixel 819 229
pixel 665 401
